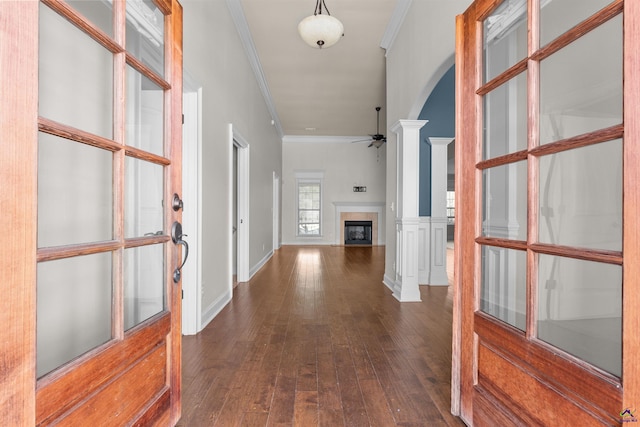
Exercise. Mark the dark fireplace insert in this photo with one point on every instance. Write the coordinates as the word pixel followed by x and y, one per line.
pixel 357 232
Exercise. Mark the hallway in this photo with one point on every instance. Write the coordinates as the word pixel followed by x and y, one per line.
pixel 315 338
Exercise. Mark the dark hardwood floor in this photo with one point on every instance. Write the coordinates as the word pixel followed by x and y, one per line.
pixel 316 338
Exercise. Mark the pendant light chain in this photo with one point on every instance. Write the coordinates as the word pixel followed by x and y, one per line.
pixel 318 9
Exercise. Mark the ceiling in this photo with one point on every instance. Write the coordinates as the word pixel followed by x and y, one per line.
pixel 321 92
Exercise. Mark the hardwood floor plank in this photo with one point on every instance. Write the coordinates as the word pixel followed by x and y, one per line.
pixel 330 418
pixel 281 412
pixel 306 408
pixel 378 409
pixel 261 394
pixel 353 407
pixel 328 390
pixel 254 419
pixel 316 339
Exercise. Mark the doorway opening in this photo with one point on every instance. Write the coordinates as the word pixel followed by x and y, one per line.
pixel 276 211
pixel 239 207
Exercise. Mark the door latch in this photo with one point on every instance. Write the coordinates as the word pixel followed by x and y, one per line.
pixel 176 237
pixel 176 202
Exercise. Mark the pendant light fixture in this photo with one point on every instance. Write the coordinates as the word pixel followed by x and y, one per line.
pixel 320 30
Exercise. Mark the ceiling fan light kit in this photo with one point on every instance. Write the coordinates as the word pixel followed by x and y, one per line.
pixel 320 31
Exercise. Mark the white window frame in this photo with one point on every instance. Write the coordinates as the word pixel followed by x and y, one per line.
pixel 309 177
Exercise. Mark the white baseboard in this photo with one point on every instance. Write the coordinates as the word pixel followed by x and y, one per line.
pixel 307 242
pixel 213 309
pixel 390 283
pixel 260 264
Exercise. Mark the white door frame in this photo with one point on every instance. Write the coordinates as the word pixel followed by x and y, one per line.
pixel 276 211
pixel 236 139
pixel 192 213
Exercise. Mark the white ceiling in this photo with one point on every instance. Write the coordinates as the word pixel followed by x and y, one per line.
pixel 322 92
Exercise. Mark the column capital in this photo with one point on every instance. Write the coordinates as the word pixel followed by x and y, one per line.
pixel 432 140
pixel 407 124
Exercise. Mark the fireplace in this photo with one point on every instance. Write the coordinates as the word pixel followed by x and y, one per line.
pixel 358 232
pixel 360 211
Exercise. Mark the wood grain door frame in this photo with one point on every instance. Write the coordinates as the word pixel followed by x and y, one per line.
pixel 18 169
pixel 600 396
pixel 20 391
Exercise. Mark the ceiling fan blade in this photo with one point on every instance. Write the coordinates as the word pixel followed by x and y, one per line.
pixel 361 140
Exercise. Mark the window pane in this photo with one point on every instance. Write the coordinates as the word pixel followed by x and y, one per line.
pixel 75 77
pixel 99 13
pixel 145 34
pixel 504 201
pixel 505 37
pixel 580 306
pixel 309 229
pixel 145 110
pixel 75 201
pixel 73 308
pixel 309 216
pixel 144 291
pixel 503 288
pixel 558 16
pixel 143 198
pixel 581 85
pixel 581 197
pixel 505 118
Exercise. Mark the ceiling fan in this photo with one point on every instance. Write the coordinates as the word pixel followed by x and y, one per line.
pixel 378 139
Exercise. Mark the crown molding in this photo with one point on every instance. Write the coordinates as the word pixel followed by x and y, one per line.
pixel 237 14
pixel 317 139
pixel 393 27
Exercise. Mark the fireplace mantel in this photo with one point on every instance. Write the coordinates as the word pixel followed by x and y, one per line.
pixel 355 211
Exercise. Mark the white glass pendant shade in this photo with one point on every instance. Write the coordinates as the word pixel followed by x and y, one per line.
pixel 320 31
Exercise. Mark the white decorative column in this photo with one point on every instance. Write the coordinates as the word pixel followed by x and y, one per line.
pixel 406 286
pixel 438 255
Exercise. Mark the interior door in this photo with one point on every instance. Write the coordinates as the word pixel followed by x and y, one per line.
pixel 102 313
pixel 546 234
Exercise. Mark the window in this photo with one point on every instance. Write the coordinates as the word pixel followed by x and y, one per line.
pixel 309 191
pixel 451 207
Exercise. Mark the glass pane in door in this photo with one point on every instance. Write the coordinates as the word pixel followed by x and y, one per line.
pixel 581 197
pixel 505 118
pixel 100 13
pixel 144 186
pixel 558 16
pixel 503 291
pixel 73 308
pixel 75 77
pixel 145 34
pixel 144 290
pixel 75 201
pixel 581 85
pixel 505 37
pixel 580 309
pixel 145 110
pixel 504 201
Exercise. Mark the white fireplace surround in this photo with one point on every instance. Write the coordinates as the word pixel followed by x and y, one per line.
pixel 360 207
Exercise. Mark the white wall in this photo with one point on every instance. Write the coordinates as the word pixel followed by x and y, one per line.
pixel 422 52
pixel 344 165
pixel 214 57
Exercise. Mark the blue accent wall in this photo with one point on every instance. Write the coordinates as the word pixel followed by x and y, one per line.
pixel 439 109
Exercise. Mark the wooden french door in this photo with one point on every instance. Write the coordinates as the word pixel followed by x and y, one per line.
pixel 91 146
pixel 547 288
